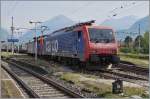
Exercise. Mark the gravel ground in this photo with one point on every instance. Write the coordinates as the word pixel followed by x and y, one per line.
pixel 74 87
pixel 56 70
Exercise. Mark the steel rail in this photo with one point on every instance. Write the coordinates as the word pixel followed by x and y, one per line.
pixel 105 71
pixel 140 69
pixel 49 81
pixel 124 75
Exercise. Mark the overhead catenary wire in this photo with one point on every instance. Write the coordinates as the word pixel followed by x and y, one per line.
pixel 78 10
pixel 123 8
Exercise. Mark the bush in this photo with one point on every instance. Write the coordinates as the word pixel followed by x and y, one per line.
pixel 145 50
pixel 134 50
pixel 125 50
pixel 132 55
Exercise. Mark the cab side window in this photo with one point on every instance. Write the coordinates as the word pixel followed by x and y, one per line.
pixel 79 35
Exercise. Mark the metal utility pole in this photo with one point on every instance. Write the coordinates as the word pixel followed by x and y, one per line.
pixel 18 42
pixel 35 24
pixel 7 45
pixel 139 39
pixel 12 30
pixel 130 40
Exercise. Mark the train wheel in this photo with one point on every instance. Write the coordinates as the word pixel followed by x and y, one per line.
pixel 82 65
pixel 115 60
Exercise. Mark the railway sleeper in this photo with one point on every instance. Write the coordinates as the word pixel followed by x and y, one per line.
pixel 53 95
pixel 48 91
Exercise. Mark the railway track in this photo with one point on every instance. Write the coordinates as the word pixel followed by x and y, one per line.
pixel 107 74
pixel 124 75
pixel 143 83
pixel 124 66
pixel 36 85
pixel 122 72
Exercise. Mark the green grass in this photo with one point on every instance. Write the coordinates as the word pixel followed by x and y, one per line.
pixel 140 62
pixel 10 55
pixel 71 77
pixel 6 54
pixel 135 91
pixel 136 56
pixel 101 89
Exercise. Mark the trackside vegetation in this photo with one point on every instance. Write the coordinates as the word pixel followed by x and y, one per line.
pixel 133 46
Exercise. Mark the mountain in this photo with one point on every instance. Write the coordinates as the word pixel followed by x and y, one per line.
pixel 121 23
pixel 53 24
pixel 144 26
pixel 3 34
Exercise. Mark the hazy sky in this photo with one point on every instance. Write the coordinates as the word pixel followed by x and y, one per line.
pixel 23 11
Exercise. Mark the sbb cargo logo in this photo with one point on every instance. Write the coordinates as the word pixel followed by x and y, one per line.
pixel 48 46
pixel 52 46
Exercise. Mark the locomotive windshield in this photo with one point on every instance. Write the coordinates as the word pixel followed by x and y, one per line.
pixel 101 35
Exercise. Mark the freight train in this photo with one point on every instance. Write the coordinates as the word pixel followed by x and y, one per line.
pixel 82 43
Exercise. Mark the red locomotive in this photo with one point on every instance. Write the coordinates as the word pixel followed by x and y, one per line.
pixel 82 43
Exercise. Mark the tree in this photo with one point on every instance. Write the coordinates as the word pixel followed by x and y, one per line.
pixel 138 39
pixel 128 41
pixel 146 42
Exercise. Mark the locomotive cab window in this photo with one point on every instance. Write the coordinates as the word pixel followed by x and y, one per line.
pixel 101 35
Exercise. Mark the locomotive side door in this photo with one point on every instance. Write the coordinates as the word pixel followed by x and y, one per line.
pixel 80 44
